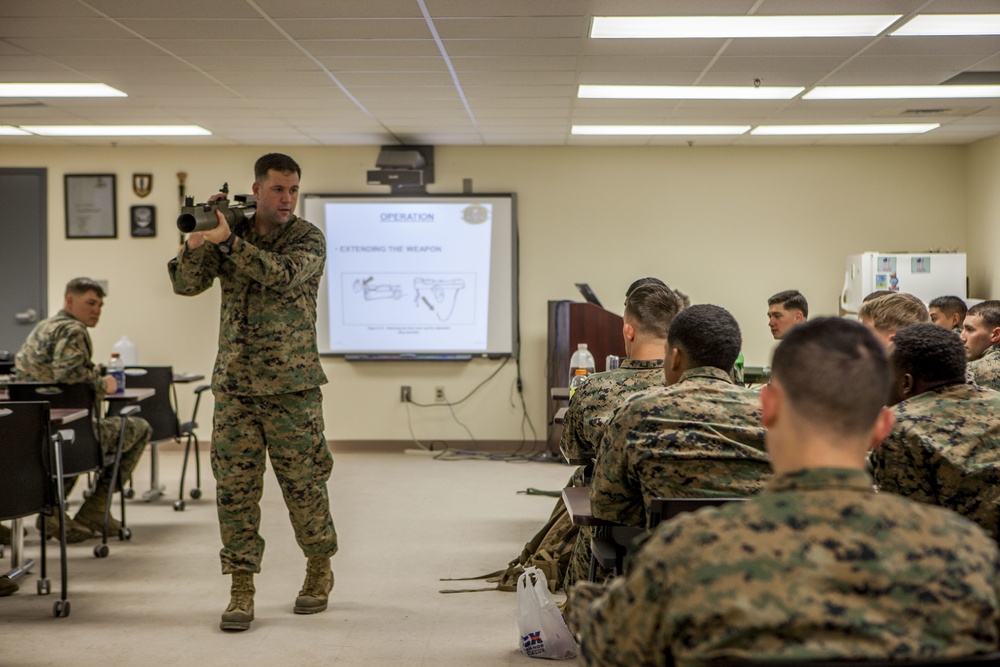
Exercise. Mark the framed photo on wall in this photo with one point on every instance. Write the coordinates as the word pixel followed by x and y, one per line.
pixel 91 211
pixel 143 219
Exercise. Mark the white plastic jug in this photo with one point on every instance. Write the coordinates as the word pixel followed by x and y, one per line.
pixel 127 350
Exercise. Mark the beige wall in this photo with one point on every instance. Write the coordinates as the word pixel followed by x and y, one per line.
pixel 727 225
pixel 984 218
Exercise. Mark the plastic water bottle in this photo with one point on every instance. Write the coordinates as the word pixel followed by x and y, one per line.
pixel 582 358
pixel 127 350
pixel 578 380
pixel 116 369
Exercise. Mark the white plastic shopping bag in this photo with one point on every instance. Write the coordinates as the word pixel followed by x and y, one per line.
pixel 541 625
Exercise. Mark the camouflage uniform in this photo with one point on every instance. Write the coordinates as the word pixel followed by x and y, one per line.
pixel 817 566
pixel 986 369
pixel 590 410
pixel 699 437
pixel 594 403
pixel 266 384
pixel 945 450
pixel 59 350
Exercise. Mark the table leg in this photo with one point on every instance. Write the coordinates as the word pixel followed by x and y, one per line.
pixel 155 488
pixel 18 564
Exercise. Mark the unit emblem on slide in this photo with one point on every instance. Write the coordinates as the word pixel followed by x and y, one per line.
pixel 475 214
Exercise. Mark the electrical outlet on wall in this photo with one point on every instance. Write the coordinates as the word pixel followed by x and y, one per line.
pixel 404 394
pixel 439 394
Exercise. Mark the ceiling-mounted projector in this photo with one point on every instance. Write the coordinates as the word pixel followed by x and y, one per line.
pixel 403 167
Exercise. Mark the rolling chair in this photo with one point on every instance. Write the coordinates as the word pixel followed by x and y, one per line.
pixel 86 454
pixel 31 481
pixel 161 413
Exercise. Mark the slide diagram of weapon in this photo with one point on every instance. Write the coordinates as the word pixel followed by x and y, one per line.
pixel 444 293
pixel 437 296
pixel 374 292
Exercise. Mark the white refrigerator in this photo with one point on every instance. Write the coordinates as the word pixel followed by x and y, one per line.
pixel 924 275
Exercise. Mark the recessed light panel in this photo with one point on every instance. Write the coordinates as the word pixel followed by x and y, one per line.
pixel 726 27
pixel 950 24
pixel 117 130
pixel 642 92
pixel 59 90
pixel 901 92
pixel 884 128
pixel 658 130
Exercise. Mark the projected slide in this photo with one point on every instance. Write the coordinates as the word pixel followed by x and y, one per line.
pixel 408 275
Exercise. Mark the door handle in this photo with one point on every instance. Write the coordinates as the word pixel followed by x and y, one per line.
pixel 27 317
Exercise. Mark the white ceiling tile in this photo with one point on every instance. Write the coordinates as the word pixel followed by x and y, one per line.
pixel 59 48
pixel 317 28
pixel 222 65
pixel 554 46
pixel 386 48
pixel 307 9
pixel 511 27
pixel 170 9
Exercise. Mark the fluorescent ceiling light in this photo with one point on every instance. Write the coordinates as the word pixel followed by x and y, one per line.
pixel 884 128
pixel 900 92
pixel 59 90
pixel 642 92
pixel 951 24
pixel 117 130
pixel 660 130
pixel 10 131
pixel 681 27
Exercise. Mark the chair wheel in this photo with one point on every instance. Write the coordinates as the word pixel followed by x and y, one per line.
pixel 43 586
pixel 101 551
pixel 129 493
pixel 125 534
pixel 60 609
pixel 178 505
pixel 196 493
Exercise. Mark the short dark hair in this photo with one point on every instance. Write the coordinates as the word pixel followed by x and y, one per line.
pixel 790 299
pixel 989 311
pixel 834 372
pixel 643 281
pixel 275 162
pixel 949 305
pixel 650 308
pixel 929 353
pixel 707 335
pixel 79 286
pixel 876 294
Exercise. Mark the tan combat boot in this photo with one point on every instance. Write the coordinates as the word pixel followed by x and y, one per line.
pixel 317 586
pixel 75 532
pixel 91 513
pixel 239 613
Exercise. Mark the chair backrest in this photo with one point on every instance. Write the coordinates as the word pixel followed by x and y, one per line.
pixel 158 409
pixel 25 477
pixel 664 509
pixel 85 452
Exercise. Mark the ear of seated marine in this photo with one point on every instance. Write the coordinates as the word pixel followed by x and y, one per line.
pixel 818 566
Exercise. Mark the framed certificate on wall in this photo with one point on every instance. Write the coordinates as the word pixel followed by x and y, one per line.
pixel 91 206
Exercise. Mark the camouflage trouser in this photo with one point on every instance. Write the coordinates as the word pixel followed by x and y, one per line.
pixel 137 434
pixel 289 429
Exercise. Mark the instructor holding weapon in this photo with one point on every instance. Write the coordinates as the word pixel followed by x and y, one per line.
pixel 267 375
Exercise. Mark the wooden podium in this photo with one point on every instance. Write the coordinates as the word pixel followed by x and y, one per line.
pixel 570 324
